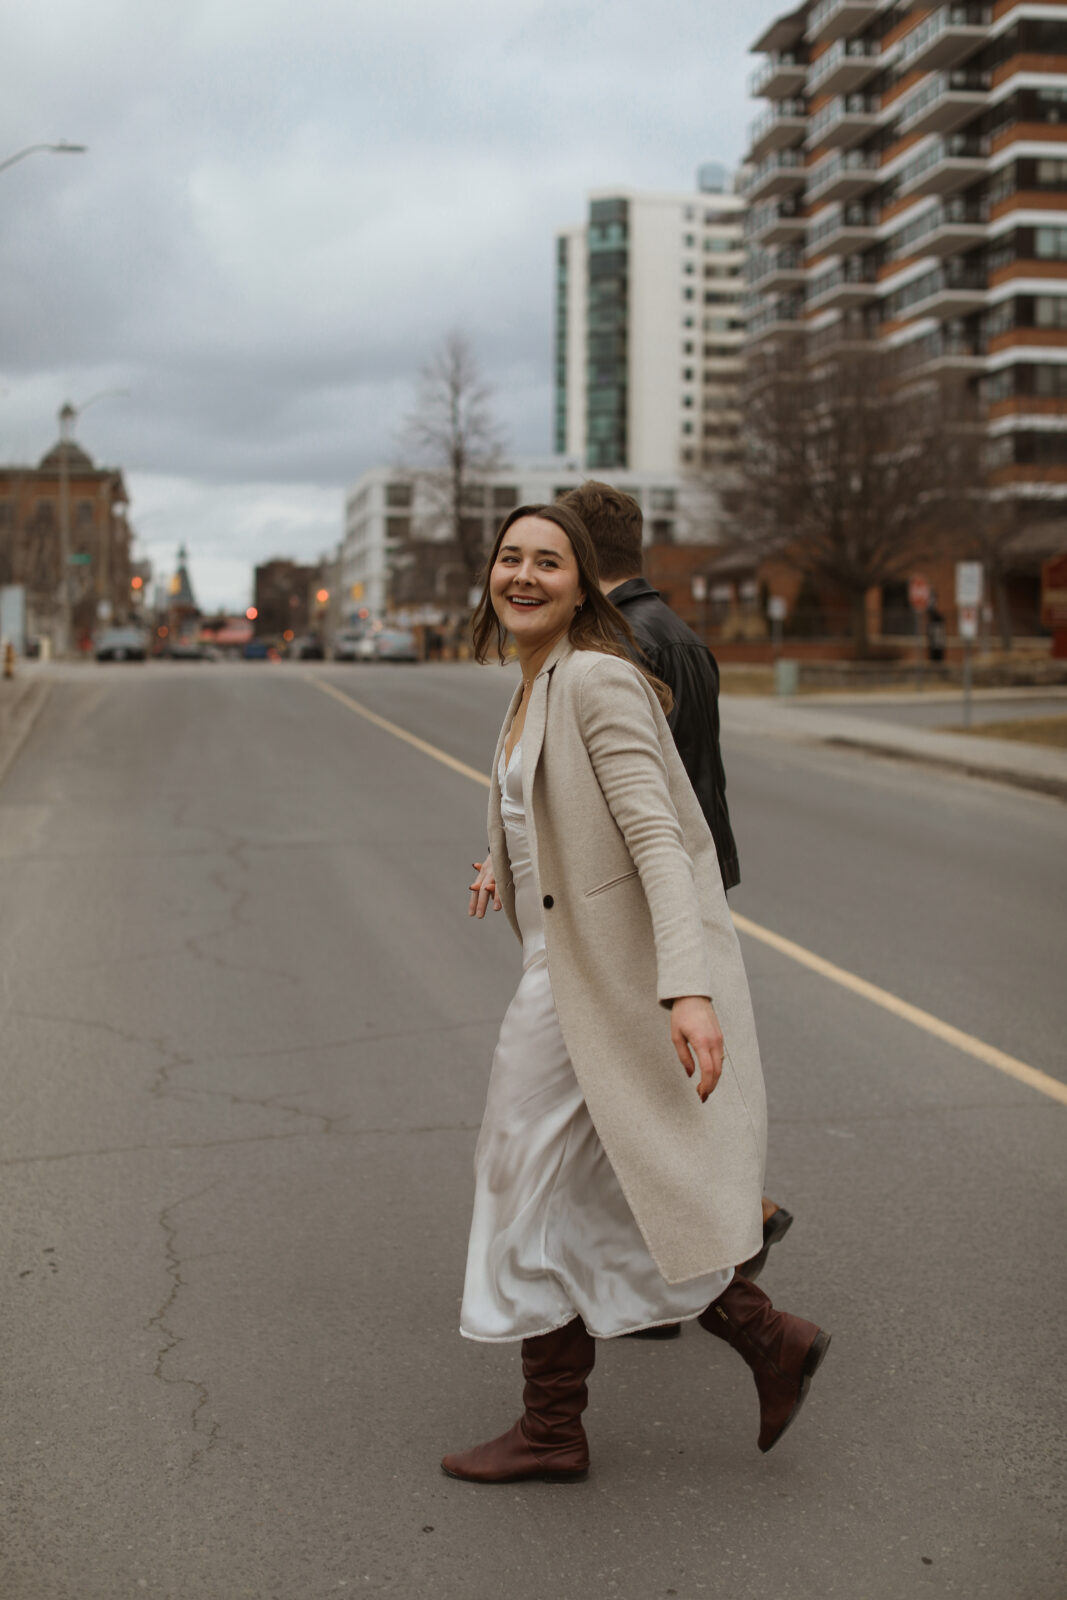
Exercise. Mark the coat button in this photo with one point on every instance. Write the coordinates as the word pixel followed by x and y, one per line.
pixel 548 902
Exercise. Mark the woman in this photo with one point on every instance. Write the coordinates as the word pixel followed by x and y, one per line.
pixel 609 1196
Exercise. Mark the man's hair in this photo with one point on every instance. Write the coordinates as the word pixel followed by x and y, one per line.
pixel 614 523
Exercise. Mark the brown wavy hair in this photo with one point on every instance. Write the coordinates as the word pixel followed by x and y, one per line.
pixel 596 626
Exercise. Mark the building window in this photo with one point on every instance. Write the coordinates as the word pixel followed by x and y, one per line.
pixel 1050 311
pixel 505 497
pixel 398 528
pixel 1050 244
pixel 687 348
pixel 662 500
pixel 397 494
pixel 687 294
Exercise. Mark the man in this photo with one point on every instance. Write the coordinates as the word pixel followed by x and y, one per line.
pixel 685 664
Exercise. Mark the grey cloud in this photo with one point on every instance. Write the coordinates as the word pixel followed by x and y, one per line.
pixel 285 207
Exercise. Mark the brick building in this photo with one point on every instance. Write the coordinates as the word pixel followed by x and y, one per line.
pixel 907 181
pixel 65 539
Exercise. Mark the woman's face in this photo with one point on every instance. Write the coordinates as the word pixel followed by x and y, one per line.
pixel 534 583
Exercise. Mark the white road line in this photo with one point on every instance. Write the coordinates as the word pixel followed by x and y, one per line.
pixel 1032 1077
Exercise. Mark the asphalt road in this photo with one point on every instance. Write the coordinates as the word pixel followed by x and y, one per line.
pixel 246 1030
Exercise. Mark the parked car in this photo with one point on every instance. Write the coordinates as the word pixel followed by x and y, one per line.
pixel 307 648
pixel 260 650
pixel 396 644
pixel 120 644
pixel 346 644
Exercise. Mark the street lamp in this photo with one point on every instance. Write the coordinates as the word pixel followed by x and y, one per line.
pixel 60 149
pixel 68 415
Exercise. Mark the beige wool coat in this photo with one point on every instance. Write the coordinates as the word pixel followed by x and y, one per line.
pixel 635 916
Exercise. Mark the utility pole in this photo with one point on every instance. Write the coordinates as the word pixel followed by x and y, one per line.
pixel 67 415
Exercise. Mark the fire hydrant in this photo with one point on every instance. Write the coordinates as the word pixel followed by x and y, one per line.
pixel 9 660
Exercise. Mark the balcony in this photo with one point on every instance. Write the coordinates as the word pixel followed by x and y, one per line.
pixel 955 226
pixel 843 230
pixel 836 19
pixel 783 75
pixel 843 286
pixel 780 127
pixel 843 175
pixel 776 271
pixel 783 318
pixel 846 120
pixel 943 102
pixel 780 173
pixel 776 222
pixel 942 351
pixel 944 38
pixel 847 65
pixel 952 291
pixel 945 165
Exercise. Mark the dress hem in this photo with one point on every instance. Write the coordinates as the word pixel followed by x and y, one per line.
pixel 638 1327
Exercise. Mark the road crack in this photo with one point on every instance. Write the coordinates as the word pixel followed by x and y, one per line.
pixel 206 1430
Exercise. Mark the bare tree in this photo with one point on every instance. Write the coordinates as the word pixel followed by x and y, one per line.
pixel 454 442
pixel 853 471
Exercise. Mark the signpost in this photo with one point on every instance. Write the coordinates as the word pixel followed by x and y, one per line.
pixel 968 601
pixel 919 601
pixel 776 609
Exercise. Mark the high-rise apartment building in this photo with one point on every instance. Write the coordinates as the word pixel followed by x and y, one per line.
pixel 910 174
pixel 649 329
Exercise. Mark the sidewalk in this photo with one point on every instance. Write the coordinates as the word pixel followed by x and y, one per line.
pixel 843 723
pixel 22 699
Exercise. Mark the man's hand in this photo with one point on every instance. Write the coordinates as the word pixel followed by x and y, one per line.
pixel 483 889
pixel 697 1037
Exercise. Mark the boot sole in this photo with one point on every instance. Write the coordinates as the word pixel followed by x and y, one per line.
pixel 546 1476
pixel 812 1362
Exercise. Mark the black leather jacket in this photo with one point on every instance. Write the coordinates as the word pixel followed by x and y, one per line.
pixel 674 653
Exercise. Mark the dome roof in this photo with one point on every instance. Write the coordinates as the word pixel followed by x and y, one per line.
pixel 77 459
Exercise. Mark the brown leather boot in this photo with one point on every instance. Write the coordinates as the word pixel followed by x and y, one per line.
pixel 782 1351
pixel 548 1441
pixel 777 1222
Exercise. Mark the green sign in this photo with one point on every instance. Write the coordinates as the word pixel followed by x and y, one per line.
pixel 80 558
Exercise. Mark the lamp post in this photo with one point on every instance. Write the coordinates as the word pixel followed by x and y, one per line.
pixel 60 149
pixel 68 414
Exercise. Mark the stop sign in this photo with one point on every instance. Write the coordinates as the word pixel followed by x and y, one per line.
pixel 918 594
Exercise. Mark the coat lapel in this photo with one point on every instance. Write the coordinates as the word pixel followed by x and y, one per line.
pixel 533 732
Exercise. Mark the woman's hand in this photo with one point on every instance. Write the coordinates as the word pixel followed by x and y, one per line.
pixel 697 1037
pixel 483 889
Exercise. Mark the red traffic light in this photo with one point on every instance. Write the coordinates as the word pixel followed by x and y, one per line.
pixel 251 613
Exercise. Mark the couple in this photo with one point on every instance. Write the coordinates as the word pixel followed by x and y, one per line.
pixel 612 1195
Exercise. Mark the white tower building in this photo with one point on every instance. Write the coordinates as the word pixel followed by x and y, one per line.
pixel 649 327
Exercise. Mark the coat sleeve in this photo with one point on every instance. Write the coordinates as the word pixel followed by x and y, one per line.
pixel 619 731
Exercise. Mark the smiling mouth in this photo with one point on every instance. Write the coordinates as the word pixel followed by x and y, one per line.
pixel 524 602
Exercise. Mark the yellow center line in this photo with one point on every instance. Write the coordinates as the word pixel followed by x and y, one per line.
pixel 401 733
pixel 966 1042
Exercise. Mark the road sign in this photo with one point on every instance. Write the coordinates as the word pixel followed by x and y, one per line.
pixel 968 621
pixel 968 583
pixel 918 593
pixel 80 558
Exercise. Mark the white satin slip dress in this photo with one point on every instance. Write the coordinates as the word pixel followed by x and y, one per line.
pixel 552 1236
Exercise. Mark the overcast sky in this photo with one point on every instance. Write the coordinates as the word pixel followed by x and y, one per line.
pixel 286 205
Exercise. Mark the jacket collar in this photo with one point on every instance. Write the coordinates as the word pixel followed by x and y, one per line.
pixel 630 590
pixel 533 731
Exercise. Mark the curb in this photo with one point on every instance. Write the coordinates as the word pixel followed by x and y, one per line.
pixel 16 723
pixel 1056 788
